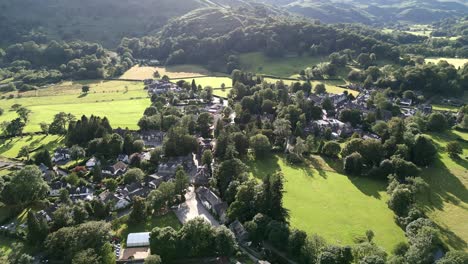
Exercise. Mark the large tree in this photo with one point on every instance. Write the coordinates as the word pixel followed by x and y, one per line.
pixel 25 187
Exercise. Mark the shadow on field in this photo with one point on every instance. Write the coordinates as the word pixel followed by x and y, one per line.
pixel 82 95
pixel 443 187
pixel 369 187
pixel 452 239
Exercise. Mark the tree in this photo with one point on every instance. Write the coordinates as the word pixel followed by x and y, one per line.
pixel 260 145
pixel 241 142
pixel 282 130
pixel 37 228
pixel 15 127
pixel 225 242
pixel 24 152
pixel 153 259
pixel 44 127
pixel 182 181
pixel 207 158
pixel 454 149
pixel 17 255
pixel 331 149
pixel 138 145
pixel 25 187
pixel 163 241
pixel 400 200
pixel 423 152
pixel 300 147
pixel 85 89
pixel 133 175
pixel 138 214
pixel 85 257
pixel 62 217
pixel 24 113
pixel 437 122
pixel 111 184
pixel 364 60
pixel 43 157
pixel 353 164
pixel 204 122
pixel 76 153
pixel 454 257
pixel 320 88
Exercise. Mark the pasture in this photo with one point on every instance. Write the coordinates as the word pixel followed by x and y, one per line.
pixel 213 81
pixel 446 202
pixel 177 71
pixel 322 201
pixel 257 62
pixel 9 148
pixel 331 86
pixel 121 102
pixel 457 62
pixel 223 93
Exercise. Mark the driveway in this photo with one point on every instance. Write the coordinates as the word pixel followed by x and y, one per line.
pixel 193 208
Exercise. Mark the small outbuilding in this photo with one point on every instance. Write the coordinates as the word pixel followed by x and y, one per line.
pixel 138 239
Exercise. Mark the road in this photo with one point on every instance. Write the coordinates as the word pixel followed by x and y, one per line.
pixel 193 208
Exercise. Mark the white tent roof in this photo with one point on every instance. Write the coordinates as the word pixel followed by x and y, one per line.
pixel 138 239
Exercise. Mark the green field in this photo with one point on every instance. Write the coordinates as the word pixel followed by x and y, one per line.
pixel 331 86
pixel 332 205
pixel 176 71
pixel 447 201
pixel 445 108
pixel 122 102
pixel 457 62
pixel 213 81
pixel 221 92
pixel 257 62
pixel 9 148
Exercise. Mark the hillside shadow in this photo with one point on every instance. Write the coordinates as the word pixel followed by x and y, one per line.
pixel 462 162
pixel 369 187
pixel 6 145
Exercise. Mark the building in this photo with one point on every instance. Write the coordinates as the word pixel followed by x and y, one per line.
pixel 61 155
pixel 137 248
pixel 118 168
pixel 212 203
pixel 161 87
pixel 92 162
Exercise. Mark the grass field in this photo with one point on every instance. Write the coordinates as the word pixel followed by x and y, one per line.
pixel 339 208
pixel 222 92
pixel 169 219
pixel 457 62
pixel 10 148
pixel 178 71
pixel 447 201
pixel 445 108
pixel 122 102
pixel 257 62
pixel 331 86
pixel 213 81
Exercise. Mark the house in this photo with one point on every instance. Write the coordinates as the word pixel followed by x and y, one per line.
pixel 82 193
pixel 212 203
pixel 61 155
pixel 155 181
pixel 92 162
pixel 161 87
pixel 152 138
pixel 44 214
pixel 239 231
pixel 425 108
pixel 406 102
pixel 336 126
pixel 118 168
pixel 118 203
pixel 137 249
pixel 123 158
pixel 202 177
pixel 56 187
pixel 337 99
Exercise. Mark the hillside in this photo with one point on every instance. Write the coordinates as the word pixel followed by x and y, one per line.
pixel 104 21
pixel 375 11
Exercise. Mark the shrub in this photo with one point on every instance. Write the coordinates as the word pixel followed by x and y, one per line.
pixel 331 149
pixel 353 163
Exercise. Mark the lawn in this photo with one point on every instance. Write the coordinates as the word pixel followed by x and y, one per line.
pixel 445 108
pixel 9 148
pixel 257 62
pixel 339 208
pixel 213 81
pixel 447 201
pixel 331 86
pixel 122 102
pixel 177 71
pixel 221 92
pixel 169 219
pixel 457 62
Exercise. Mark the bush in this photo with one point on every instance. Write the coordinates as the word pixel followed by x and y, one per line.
pixel 331 149
pixel 260 145
pixel 400 201
pixel 293 158
pixel 353 164
pixel 437 122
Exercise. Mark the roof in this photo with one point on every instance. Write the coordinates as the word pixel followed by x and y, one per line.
pixel 138 239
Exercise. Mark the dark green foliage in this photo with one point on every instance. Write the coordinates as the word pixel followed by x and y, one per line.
pixel 454 257
pixel 84 130
pixel 437 122
pixel 353 164
pixel 43 157
pixel 331 149
pixel 424 151
pixel 37 229
pixel 400 201
pixel 260 145
pixel 179 143
pixel 138 213
pixel 25 187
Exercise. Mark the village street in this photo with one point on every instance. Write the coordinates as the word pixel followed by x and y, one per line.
pixel 193 208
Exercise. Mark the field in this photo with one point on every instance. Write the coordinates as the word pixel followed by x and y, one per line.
pixel 122 102
pixel 331 86
pixel 445 108
pixel 447 201
pixel 213 81
pixel 178 71
pixel 169 219
pixel 10 148
pixel 221 92
pixel 257 62
pixel 457 62
pixel 339 208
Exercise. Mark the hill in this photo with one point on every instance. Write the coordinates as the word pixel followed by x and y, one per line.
pixel 375 11
pixel 103 21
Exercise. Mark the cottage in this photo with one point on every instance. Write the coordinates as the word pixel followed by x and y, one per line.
pixel 161 87
pixel 118 168
pixel 155 181
pixel 117 203
pixel 61 155
pixel 82 193
pixel 212 202
pixel 92 162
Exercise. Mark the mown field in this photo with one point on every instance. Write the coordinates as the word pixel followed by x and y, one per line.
pixel 122 102
pixel 9 148
pixel 177 71
pixel 322 201
pixel 257 62
pixel 331 86
pixel 213 81
pixel 457 62
pixel 446 202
